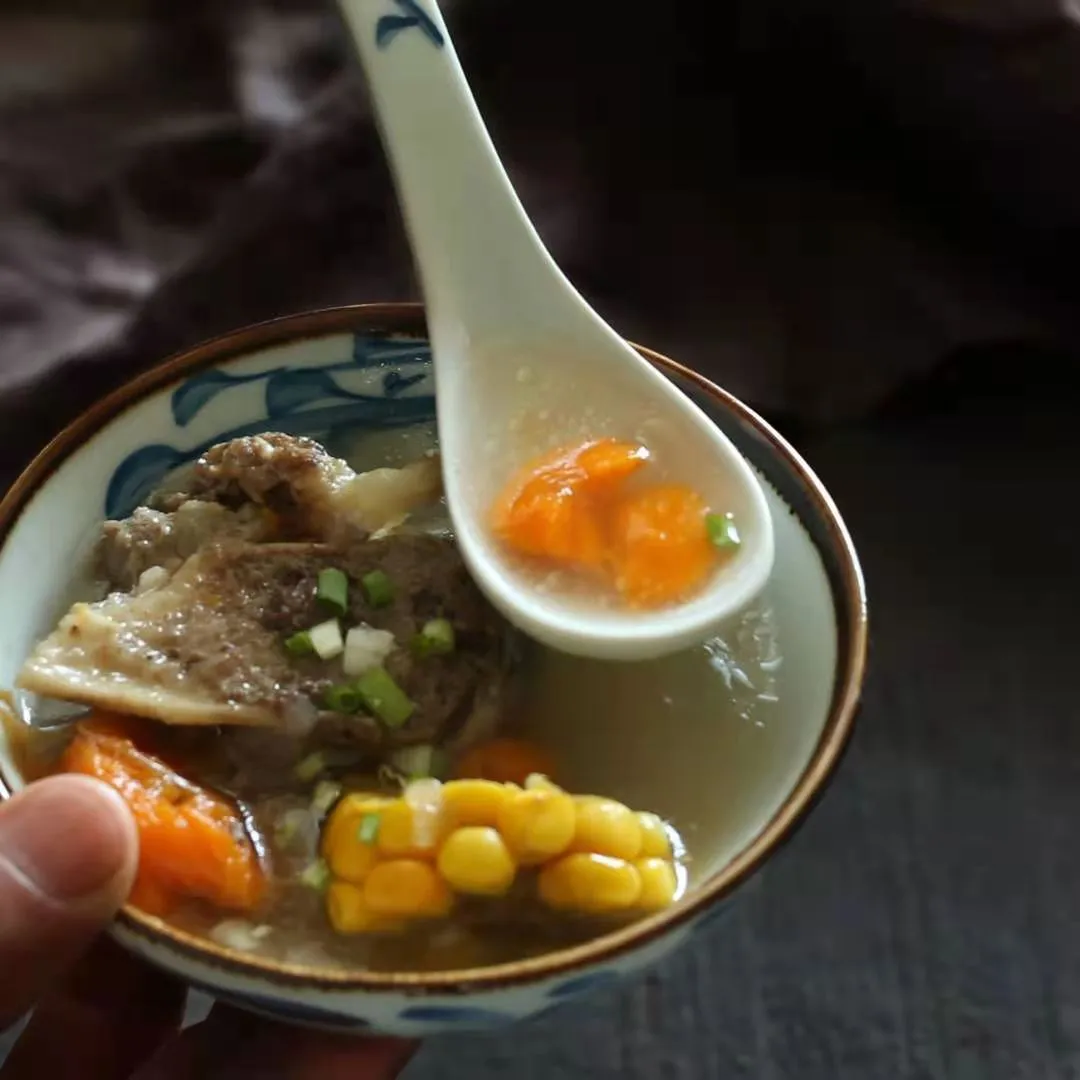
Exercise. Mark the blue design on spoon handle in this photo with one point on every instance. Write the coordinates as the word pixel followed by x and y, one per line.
pixel 389 26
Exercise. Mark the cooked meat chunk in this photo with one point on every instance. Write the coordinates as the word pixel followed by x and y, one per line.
pixel 206 646
pixel 310 495
pixel 317 496
pixel 150 539
pixel 280 471
pixel 218 571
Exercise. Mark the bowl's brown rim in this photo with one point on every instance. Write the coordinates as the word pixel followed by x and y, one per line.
pixel 408 319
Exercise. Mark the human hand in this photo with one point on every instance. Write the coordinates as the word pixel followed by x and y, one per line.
pixel 68 851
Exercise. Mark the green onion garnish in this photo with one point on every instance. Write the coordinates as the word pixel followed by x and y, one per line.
pixel 308 768
pixel 378 588
pixel 343 699
pixel 368 832
pixel 420 762
pixel 414 762
pixel 326 639
pixel 436 638
pixel 316 875
pixel 333 590
pixel 300 643
pixel 326 794
pixel 722 531
pixel 286 828
pixel 382 697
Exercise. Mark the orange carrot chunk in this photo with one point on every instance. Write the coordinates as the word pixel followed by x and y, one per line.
pixel 574 508
pixel 554 508
pixel 607 462
pixel 192 842
pixel 662 549
pixel 549 519
pixel 505 761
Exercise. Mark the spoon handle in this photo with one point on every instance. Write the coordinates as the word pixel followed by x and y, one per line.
pixel 482 266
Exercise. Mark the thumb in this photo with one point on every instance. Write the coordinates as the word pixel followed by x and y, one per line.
pixel 68 852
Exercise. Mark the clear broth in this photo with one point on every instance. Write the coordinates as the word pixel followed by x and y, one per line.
pixel 696 738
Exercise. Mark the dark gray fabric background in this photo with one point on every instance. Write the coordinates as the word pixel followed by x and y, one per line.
pixel 863 217
pixel 923 925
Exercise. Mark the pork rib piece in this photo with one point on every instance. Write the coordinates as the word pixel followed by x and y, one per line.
pixel 318 493
pixel 205 645
pixel 253 486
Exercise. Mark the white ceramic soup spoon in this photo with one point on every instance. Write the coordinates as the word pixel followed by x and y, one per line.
pixel 522 363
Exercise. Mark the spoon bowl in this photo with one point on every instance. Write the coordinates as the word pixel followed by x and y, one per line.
pixel 532 402
pixel 522 363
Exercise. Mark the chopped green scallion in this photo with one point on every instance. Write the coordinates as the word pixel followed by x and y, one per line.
pixel 414 762
pixel 343 699
pixel 286 828
pixel 308 768
pixel 300 643
pixel 383 698
pixel 436 638
pixel 326 639
pixel 316 875
pixel 333 590
pixel 378 588
pixel 420 762
pixel 368 832
pixel 326 794
pixel 722 531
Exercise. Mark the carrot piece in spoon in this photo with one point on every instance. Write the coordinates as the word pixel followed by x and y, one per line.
pixel 554 509
pixel 662 552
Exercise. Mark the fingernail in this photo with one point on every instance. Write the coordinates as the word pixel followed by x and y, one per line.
pixel 69 836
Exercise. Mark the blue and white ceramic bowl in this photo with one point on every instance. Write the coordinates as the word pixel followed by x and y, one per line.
pixel 364 373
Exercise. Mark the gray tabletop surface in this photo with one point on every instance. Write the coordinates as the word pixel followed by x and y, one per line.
pixel 924 923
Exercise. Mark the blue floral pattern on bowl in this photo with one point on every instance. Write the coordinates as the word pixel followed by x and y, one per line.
pixel 385 383
pixel 458 1016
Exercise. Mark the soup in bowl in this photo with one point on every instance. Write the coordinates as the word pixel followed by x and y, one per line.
pixel 365 801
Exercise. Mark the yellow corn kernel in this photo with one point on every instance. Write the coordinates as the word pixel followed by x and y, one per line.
pixel 659 884
pixel 472 802
pixel 591 884
pixel 397 834
pixel 606 827
pixel 345 853
pixel 537 825
pixel 475 860
pixel 349 913
pixel 407 888
pixel 655 843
